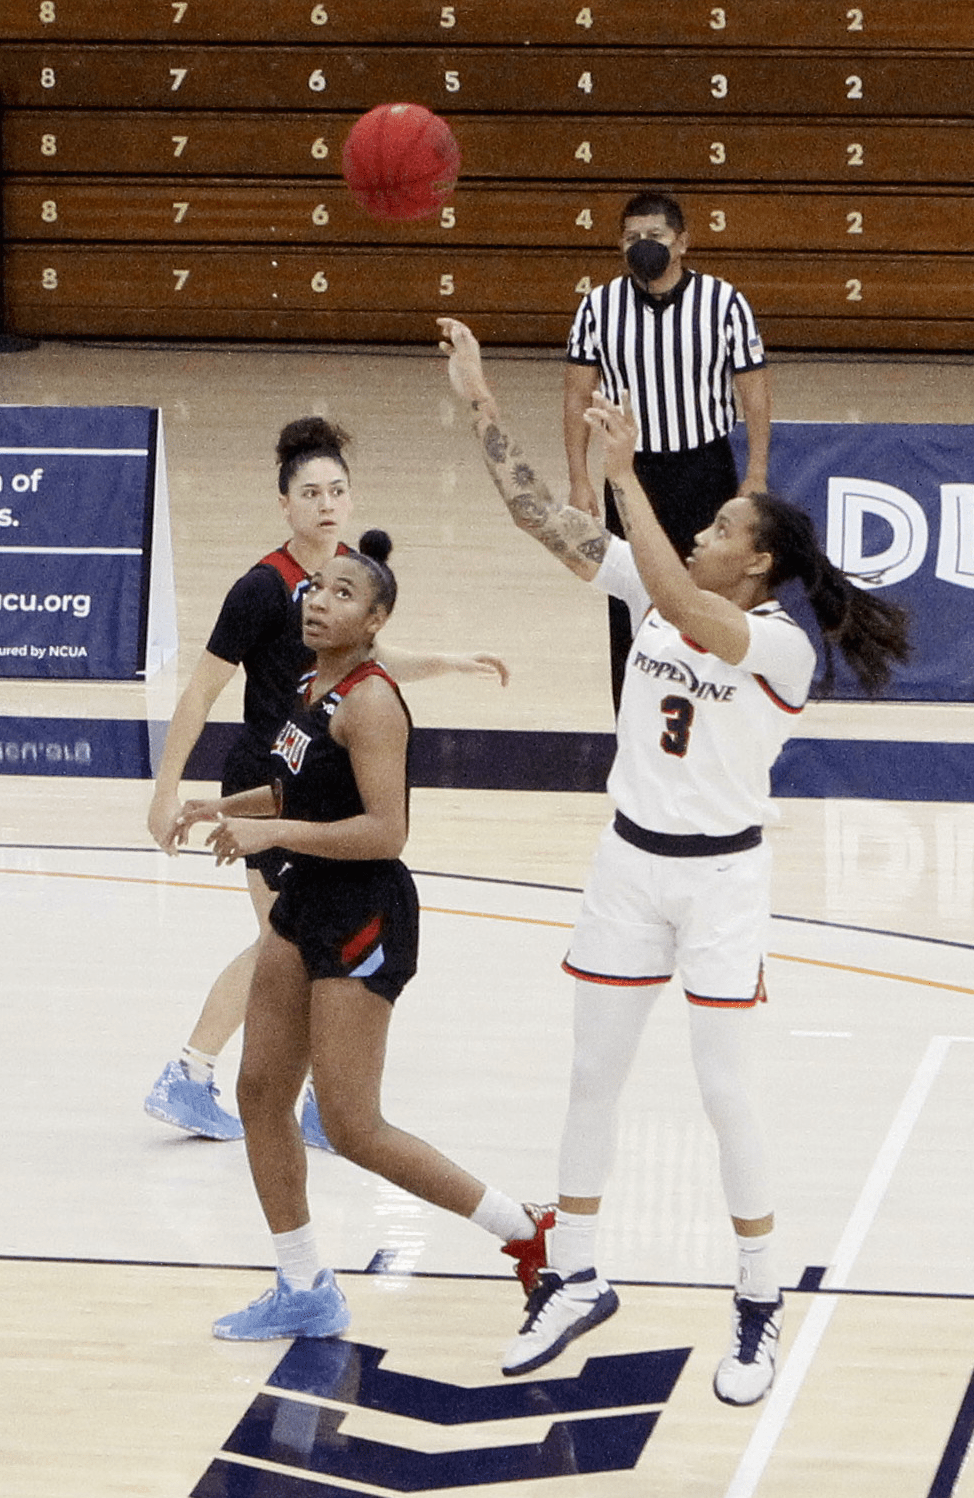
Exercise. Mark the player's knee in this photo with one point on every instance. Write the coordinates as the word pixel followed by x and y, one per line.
pixel 355 1136
pixel 726 1101
pixel 598 1077
pixel 259 1095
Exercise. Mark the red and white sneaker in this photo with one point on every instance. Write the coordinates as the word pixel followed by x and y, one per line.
pixel 531 1254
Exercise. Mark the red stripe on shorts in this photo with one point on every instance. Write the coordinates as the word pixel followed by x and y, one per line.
pixel 367 937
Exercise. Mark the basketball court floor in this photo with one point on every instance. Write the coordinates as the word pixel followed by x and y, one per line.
pixel 121 1239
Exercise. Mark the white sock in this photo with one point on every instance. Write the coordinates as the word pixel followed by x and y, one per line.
pixel 198 1064
pixel 756 1278
pixel 571 1246
pixel 297 1256
pixel 502 1216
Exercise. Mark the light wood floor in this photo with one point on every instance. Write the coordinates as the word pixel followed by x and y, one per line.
pixel 121 1240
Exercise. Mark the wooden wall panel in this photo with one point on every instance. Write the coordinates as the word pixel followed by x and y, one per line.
pixel 464 281
pixel 561 148
pixel 545 329
pixel 610 80
pixel 138 211
pixel 673 23
pixel 171 168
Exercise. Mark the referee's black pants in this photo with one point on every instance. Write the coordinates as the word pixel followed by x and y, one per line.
pixel 685 489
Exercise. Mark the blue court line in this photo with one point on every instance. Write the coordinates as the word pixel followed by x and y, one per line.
pixel 957 1449
pixel 499 759
pixel 932 941
pixel 841 1293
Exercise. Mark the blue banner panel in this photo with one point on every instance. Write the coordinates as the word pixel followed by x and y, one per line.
pixel 99 748
pixel 495 759
pixel 894 506
pixel 71 615
pixel 76 509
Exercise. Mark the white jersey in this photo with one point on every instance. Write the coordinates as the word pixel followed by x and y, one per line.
pixel 697 736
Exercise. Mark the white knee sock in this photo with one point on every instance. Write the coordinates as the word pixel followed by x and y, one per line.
pixel 297 1256
pixel 502 1216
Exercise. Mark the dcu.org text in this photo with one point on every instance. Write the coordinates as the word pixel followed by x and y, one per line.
pixel 78 605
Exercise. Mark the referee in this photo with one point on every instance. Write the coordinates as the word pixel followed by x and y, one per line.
pixel 682 345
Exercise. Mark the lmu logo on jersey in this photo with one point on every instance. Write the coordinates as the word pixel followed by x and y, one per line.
pixel 291 744
pixel 680 672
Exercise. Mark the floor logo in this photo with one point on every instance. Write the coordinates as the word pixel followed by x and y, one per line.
pixel 292 1435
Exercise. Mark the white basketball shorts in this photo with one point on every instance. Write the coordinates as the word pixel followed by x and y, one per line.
pixel 646 916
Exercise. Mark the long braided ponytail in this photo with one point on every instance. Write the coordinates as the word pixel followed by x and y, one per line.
pixel 870 632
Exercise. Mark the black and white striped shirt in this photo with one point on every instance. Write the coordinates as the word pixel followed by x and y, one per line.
pixel 677 357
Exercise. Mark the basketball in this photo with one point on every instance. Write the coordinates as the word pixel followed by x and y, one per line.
pixel 400 161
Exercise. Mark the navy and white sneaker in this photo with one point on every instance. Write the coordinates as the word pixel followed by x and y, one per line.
pixel 192 1106
pixel 321 1311
pixel 559 1310
pixel 745 1374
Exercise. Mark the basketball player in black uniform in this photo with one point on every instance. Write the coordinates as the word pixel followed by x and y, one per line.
pixel 259 628
pixel 342 946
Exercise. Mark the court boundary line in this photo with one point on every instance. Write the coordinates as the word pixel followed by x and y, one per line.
pixel 718 1287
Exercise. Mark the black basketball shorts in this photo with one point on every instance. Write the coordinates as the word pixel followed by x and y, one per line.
pixel 352 920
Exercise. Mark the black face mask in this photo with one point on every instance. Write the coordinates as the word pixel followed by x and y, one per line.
pixel 647 259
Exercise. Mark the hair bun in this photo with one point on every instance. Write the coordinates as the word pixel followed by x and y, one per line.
pixel 311 435
pixel 375 544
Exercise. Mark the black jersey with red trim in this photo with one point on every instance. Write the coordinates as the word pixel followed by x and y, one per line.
pixel 312 772
pixel 259 627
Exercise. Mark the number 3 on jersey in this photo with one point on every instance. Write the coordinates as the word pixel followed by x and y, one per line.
pixel 675 738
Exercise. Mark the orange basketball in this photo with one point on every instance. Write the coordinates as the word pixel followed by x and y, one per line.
pixel 400 161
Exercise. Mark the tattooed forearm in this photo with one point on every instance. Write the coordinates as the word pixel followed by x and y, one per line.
pixel 530 510
pixel 595 549
pixel 496 444
pixel 575 538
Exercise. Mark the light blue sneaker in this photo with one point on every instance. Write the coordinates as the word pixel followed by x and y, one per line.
pixel 321 1311
pixel 311 1129
pixel 176 1099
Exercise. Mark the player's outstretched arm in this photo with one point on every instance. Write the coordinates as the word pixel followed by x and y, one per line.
pixel 405 666
pixel 577 539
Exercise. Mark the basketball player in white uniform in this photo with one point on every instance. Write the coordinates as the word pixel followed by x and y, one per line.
pixel 681 878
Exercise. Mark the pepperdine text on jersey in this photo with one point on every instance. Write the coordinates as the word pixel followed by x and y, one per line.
pixel 679 671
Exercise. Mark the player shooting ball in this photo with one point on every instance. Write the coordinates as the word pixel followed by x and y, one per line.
pixel 681 882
